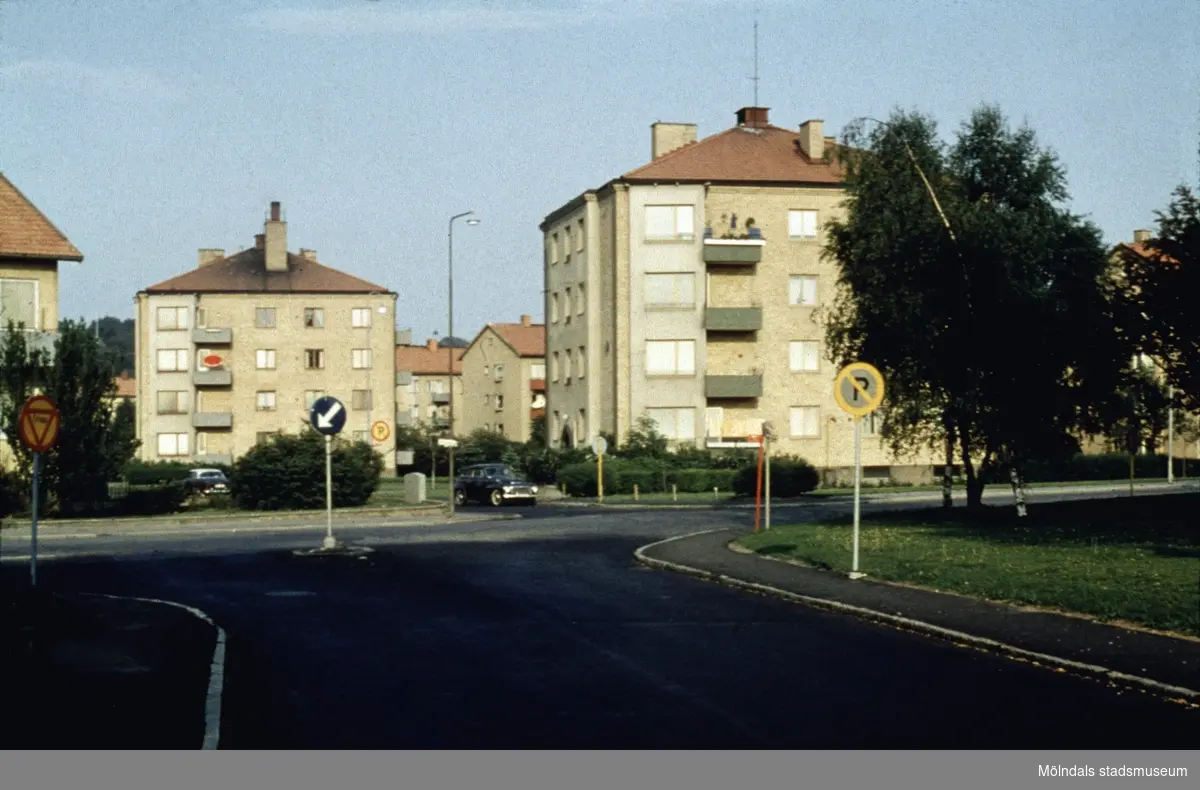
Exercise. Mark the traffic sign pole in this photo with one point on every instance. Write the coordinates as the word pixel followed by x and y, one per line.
pixel 329 540
pixel 600 447
pixel 767 482
pixel 37 473
pixel 854 573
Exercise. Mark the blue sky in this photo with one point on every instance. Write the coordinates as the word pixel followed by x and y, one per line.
pixel 148 129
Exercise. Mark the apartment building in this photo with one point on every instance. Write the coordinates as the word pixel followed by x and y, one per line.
pixel 689 290
pixel 236 351
pixel 31 248
pixel 424 376
pixel 504 378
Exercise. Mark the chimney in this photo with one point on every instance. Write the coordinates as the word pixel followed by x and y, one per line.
pixel 666 137
pixel 275 241
pixel 526 320
pixel 307 254
pixel 1141 236
pixel 207 256
pixel 431 344
pixel 752 117
pixel 812 140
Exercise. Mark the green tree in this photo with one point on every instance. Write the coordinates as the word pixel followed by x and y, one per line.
pixel 289 472
pixel 642 441
pixel 1135 418
pixel 994 334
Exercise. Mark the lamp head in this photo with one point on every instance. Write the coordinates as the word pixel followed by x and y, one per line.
pixel 472 220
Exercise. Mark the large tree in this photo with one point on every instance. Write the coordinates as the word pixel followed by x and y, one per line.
pixel 79 377
pixel 980 298
pixel 1159 283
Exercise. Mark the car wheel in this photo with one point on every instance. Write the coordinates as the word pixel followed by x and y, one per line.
pixel 496 497
pixel 460 497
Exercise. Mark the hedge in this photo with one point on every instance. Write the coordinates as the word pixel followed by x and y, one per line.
pixel 143 473
pixel 790 476
pixel 621 475
pixel 1107 466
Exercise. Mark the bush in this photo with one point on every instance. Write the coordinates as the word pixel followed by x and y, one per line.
pixel 790 476
pixel 1081 467
pixel 696 481
pixel 289 472
pixel 152 501
pixel 13 498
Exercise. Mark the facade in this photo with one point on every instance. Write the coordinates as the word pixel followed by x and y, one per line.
pixel 30 250
pixel 504 378
pixel 236 351
pixel 424 375
pixel 690 289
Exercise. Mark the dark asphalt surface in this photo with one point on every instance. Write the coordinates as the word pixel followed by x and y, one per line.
pixel 545 633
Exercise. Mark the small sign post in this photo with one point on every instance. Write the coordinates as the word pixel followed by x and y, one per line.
pixel 600 447
pixel 858 390
pixel 328 417
pixel 768 436
pixel 38 425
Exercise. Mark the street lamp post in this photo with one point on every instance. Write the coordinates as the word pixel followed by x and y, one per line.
pixel 471 220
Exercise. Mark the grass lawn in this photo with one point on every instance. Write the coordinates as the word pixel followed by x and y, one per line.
pixel 662 498
pixel 1135 559
pixel 961 488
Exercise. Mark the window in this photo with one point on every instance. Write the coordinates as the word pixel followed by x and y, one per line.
pixel 360 317
pixel 170 318
pixel 802 290
pixel 264 317
pixel 414 386
pixel 314 358
pixel 266 400
pixel 487 370
pixel 537 370
pixel 314 317
pixel 201 322
pixel 871 423
pixel 670 290
pixel 669 222
pixel 582 363
pixel 201 443
pixel 172 359
pixel 675 424
pixel 554 367
pixel 362 436
pixel 19 303
pixel 567 246
pixel 499 402
pixel 579 237
pixel 172 444
pixel 500 428
pixel 360 400
pixel 264 359
pixel 201 355
pixel 568 365
pixel 580 300
pixel 499 370
pixel 806 421
pixel 554 308
pixel 360 358
pixel 172 402
pixel 554 248
pixel 435 386
pixel 802 224
pixel 803 355
pixel 670 357
pixel 568 301
pixel 311 397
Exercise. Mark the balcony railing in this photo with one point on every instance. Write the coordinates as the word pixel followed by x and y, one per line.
pixel 440 398
pixel 212 378
pixel 733 319
pixel 738 252
pixel 225 459
pixel 203 336
pixel 743 386
pixel 212 419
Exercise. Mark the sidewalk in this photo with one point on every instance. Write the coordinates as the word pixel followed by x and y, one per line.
pixel 97 673
pixel 1137 658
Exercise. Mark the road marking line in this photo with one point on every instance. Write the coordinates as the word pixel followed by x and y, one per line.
pixel 216 668
pixel 1111 675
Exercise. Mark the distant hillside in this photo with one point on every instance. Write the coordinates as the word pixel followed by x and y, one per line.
pixel 117 333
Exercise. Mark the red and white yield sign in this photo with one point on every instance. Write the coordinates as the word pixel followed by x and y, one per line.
pixel 38 423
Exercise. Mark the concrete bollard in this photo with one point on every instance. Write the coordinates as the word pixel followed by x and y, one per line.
pixel 635 492
pixel 674 492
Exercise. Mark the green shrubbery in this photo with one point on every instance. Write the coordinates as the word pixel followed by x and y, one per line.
pixel 144 473
pixel 149 501
pixel 289 472
pixel 790 476
pixel 1081 467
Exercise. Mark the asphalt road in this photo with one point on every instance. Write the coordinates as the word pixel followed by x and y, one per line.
pixel 543 632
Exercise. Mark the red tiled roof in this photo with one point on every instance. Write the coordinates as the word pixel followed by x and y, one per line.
pixel 25 232
pixel 126 387
pixel 767 153
pixel 526 341
pixel 424 361
pixel 246 272
pixel 1144 250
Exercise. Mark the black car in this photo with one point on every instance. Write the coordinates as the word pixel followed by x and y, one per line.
pixel 207 481
pixel 492 483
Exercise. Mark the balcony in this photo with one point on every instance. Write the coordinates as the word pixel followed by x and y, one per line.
pixel 441 422
pixel 404 417
pixel 212 419
pixel 733 319
pixel 223 459
pixel 212 378
pixel 212 337
pixel 735 252
pixel 733 386
pixel 403 378
pixel 440 398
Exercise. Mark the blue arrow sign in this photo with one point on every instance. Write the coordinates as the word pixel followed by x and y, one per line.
pixel 328 415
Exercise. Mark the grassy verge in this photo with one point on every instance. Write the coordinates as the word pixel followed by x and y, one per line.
pixel 1135 560
pixel 961 488
pixel 705 498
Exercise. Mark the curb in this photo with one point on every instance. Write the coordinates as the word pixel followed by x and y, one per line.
pixel 11 524
pixel 1093 671
pixel 216 668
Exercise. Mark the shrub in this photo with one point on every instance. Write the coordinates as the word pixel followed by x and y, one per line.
pixel 150 501
pixel 790 476
pixel 13 498
pixel 580 479
pixel 289 472
pixel 695 481
pixel 144 473
pixel 542 465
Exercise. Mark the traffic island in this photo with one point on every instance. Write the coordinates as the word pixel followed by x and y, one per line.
pixel 336 550
pixel 92 672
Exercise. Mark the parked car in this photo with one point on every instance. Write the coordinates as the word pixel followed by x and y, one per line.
pixel 207 481
pixel 494 484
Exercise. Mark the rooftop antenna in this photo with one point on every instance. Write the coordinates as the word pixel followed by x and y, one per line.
pixel 755 77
